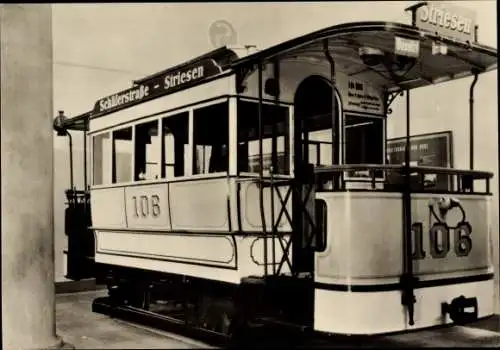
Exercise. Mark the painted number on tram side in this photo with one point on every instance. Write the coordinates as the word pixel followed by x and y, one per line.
pixel 440 240
pixel 146 206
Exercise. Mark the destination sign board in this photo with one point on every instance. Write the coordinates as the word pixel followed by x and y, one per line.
pixel 167 83
pixel 406 47
pixel 447 20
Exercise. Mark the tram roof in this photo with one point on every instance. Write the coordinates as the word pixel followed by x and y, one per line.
pixel 216 61
pixel 78 123
pixel 345 40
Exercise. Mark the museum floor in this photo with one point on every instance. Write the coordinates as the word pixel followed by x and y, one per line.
pixel 79 326
pixel 82 328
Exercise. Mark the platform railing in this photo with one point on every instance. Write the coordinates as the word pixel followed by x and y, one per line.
pixel 382 178
pixel 391 178
pixel 77 196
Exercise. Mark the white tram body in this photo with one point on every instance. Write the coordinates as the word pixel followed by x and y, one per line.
pixel 192 235
pixel 190 221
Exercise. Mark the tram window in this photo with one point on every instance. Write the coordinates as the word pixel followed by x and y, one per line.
pixel 175 145
pixel 147 151
pixel 101 149
pixel 122 155
pixel 320 147
pixel 364 140
pixel 211 139
pixel 275 145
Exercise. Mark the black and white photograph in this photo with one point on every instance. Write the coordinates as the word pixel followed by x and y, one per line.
pixel 182 175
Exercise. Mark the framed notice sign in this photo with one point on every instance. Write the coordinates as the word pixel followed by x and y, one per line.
pixel 426 150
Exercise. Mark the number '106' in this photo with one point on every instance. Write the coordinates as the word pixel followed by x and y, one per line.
pixel 439 240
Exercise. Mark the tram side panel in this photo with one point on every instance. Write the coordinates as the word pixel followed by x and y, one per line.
pixel 107 207
pixel 357 275
pixel 177 228
pixel 186 228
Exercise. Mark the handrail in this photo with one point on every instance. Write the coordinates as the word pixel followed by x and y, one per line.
pixel 401 168
pixel 316 142
pixel 77 192
pixel 464 178
pixel 77 196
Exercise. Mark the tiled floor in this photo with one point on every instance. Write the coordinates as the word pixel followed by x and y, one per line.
pixel 79 326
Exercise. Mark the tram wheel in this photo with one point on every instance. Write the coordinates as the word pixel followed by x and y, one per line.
pixel 225 324
pixel 130 293
pixel 216 314
pixel 238 333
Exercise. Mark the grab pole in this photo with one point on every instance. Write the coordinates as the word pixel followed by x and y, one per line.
pixel 261 169
pixel 471 119
pixel 408 279
pixel 335 127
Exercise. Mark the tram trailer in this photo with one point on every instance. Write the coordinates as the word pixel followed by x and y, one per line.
pixel 311 274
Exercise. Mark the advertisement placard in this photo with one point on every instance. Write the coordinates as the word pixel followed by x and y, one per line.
pixel 425 150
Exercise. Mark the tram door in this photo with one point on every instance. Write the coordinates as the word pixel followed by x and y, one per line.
pixel 313 147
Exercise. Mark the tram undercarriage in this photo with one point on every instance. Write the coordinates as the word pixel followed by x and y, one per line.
pixel 224 314
pixel 255 314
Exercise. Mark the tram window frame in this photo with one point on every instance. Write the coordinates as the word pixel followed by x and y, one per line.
pixel 321 142
pixel 363 121
pixel 178 126
pixel 204 120
pixel 105 153
pixel 247 131
pixel 143 136
pixel 114 173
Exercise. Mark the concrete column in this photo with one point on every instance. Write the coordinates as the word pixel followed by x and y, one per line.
pixel 27 241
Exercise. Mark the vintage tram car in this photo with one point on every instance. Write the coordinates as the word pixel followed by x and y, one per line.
pixel 229 193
